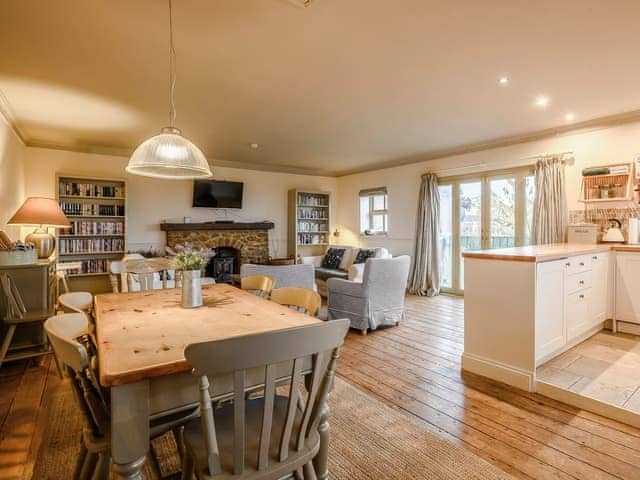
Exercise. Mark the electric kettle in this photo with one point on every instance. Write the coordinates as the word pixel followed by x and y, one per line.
pixel 614 232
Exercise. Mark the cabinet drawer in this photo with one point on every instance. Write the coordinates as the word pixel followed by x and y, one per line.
pixel 578 264
pixel 579 281
pixel 577 313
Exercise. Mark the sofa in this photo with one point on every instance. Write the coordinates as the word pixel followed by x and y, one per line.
pixel 284 275
pixel 347 268
pixel 376 301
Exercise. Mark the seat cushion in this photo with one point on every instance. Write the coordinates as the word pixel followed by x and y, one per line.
pixel 223 416
pixel 326 273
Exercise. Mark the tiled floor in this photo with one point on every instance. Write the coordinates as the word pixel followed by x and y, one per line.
pixel 605 367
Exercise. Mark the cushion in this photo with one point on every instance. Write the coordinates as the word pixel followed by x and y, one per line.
pixel 363 255
pixel 348 258
pixel 332 258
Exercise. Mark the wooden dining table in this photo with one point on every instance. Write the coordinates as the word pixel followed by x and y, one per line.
pixel 141 338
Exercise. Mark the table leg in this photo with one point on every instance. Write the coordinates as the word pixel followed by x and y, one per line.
pixel 321 460
pixel 129 429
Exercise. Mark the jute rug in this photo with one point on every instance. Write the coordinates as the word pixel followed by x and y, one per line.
pixel 369 440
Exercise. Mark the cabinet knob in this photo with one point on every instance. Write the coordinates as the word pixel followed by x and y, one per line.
pixel 595 257
pixel 582 264
pixel 580 296
pixel 581 282
pixel 568 264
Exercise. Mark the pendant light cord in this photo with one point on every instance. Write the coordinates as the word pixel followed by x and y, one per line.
pixel 172 69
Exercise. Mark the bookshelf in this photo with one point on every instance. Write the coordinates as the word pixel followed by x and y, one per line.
pixel 309 222
pixel 96 209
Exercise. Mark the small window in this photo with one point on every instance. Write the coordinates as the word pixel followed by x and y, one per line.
pixel 373 211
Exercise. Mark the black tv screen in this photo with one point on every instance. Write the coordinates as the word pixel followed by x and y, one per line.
pixel 217 194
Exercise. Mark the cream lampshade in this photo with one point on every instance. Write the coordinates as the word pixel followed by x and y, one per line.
pixel 42 212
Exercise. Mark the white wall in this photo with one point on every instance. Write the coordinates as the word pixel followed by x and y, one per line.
pixel 594 147
pixel 149 201
pixel 12 153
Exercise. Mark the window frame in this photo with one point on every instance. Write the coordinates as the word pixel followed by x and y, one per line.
pixel 369 194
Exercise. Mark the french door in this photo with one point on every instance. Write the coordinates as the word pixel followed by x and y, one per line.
pixel 492 210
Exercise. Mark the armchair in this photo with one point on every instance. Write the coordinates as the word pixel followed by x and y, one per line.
pixel 377 301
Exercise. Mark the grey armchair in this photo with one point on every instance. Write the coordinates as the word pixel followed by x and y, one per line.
pixel 378 300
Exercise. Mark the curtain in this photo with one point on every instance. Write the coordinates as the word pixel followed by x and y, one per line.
pixel 550 203
pixel 425 272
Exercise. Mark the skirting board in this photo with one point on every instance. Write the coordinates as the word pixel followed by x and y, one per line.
pixel 498 371
pixel 590 404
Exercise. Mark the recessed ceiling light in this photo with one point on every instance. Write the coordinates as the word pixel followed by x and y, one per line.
pixel 542 101
pixel 569 117
pixel 503 80
pixel 254 146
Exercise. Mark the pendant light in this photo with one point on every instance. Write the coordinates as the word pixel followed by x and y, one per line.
pixel 169 154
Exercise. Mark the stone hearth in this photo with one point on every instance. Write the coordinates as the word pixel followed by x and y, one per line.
pixel 252 243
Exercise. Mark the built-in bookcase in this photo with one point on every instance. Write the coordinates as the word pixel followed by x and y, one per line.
pixel 96 209
pixel 309 222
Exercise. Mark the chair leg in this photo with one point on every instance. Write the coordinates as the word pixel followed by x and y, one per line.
pixel 188 468
pixel 6 342
pixel 309 472
pixel 89 466
pixel 102 468
pixel 82 456
pixel 178 436
pixel 363 332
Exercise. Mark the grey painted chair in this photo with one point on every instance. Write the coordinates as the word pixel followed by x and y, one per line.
pixel 67 333
pixel 284 275
pixel 377 301
pixel 271 436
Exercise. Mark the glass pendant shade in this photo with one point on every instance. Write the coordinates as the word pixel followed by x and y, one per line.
pixel 169 155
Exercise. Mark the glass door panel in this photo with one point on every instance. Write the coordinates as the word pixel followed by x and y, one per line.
pixel 446 236
pixel 502 212
pixel 470 231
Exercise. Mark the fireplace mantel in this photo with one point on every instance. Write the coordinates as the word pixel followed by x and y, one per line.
pixel 190 227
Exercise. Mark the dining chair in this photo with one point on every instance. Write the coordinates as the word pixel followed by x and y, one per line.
pixel 67 332
pixel 260 285
pixel 274 435
pixel 76 302
pixel 16 314
pixel 302 299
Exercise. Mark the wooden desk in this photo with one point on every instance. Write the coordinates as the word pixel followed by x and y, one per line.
pixel 141 340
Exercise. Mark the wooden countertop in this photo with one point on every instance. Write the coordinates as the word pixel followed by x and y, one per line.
pixel 143 334
pixel 543 253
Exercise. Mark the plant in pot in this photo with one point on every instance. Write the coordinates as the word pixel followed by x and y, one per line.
pixel 191 264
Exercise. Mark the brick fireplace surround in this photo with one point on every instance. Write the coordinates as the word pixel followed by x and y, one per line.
pixel 250 239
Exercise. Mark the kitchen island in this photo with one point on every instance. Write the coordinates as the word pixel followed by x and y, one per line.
pixel 527 305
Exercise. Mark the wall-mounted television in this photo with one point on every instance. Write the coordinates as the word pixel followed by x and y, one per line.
pixel 217 194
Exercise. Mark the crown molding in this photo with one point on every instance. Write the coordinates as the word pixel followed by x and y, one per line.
pixel 500 142
pixel 7 113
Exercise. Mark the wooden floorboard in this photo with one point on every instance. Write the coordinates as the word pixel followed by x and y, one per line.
pixel 414 368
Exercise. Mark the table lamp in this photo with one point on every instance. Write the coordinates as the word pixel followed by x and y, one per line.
pixel 42 212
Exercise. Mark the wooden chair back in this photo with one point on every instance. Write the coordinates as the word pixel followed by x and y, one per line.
pixel 319 342
pixel 13 300
pixel 262 285
pixel 63 279
pixel 302 299
pixel 143 270
pixel 63 332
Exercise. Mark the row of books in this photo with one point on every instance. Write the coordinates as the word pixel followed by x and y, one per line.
pixel 312 200
pixel 312 227
pixel 91 245
pixel 312 213
pixel 311 239
pixel 90 189
pixel 98 265
pixel 89 209
pixel 79 227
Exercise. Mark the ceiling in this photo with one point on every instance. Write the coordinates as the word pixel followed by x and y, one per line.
pixel 341 86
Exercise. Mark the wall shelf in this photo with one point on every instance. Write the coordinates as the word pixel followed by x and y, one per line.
pixel 596 182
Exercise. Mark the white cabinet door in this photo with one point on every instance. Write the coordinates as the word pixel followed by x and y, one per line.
pixel 627 299
pixel 599 297
pixel 577 313
pixel 550 318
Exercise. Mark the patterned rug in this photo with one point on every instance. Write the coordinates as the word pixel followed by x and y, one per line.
pixel 368 440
